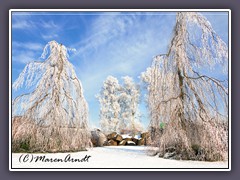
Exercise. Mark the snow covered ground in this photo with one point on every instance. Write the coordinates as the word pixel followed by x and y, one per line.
pixel 107 157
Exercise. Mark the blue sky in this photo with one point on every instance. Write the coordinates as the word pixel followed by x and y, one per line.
pixel 107 43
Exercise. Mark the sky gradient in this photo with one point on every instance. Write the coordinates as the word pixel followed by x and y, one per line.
pixel 107 43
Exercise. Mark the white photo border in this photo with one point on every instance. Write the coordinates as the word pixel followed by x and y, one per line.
pixel 119 169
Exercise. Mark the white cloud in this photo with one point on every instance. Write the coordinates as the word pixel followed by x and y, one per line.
pixel 27 45
pixel 104 29
pixel 24 52
pixel 51 30
pixel 23 57
pixel 49 36
pixel 49 25
pixel 25 21
pixel 22 21
pixel 23 24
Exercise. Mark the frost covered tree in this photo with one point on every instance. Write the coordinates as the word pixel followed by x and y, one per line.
pixel 187 91
pixel 109 106
pixel 119 105
pixel 53 114
pixel 129 98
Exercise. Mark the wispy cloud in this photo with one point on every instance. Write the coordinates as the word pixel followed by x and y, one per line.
pixel 125 39
pixel 104 29
pixel 51 30
pixel 26 24
pixel 22 24
pixel 24 57
pixel 49 36
pixel 24 52
pixel 24 21
pixel 49 25
pixel 27 45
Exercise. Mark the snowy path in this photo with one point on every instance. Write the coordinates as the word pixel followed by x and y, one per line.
pixel 111 157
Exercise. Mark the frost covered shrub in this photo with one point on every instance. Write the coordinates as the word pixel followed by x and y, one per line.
pixel 27 136
pixel 201 141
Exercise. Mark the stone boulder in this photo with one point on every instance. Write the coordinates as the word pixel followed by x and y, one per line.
pixel 98 138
